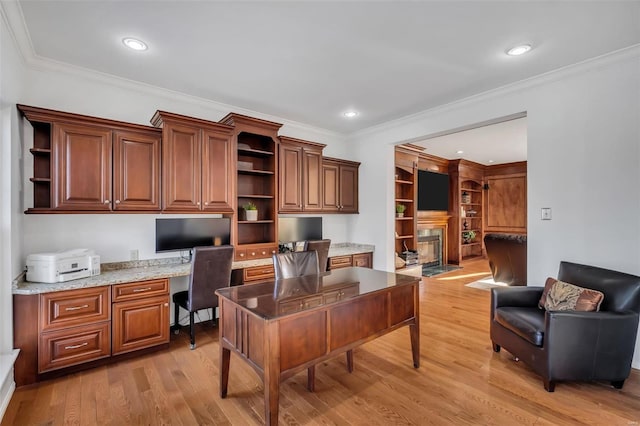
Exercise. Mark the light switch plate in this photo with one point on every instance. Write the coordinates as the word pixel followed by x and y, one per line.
pixel 546 213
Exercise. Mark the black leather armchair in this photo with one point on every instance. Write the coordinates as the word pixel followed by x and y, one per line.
pixel 571 345
pixel 507 258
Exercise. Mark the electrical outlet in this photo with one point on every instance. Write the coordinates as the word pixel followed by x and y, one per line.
pixel 546 213
pixel 133 254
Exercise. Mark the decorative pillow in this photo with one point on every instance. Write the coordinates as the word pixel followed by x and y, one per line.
pixel 568 297
pixel 547 286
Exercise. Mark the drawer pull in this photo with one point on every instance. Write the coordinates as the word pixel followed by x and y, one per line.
pixel 75 308
pixel 140 290
pixel 76 346
pixel 266 271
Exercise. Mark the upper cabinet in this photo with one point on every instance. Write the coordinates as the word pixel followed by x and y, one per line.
pixel 256 143
pixel 299 176
pixel 86 163
pixel 340 186
pixel 197 164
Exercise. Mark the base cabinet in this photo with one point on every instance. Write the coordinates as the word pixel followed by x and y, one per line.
pixel 68 330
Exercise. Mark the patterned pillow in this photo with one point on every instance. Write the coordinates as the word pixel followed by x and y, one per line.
pixel 568 297
pixel 547 286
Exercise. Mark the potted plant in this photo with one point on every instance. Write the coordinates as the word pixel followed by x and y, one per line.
pixel 251 211
pixel 468 236
pixel 400 208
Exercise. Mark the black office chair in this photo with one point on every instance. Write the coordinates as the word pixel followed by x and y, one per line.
pixel 295 264
pixel 322 248
pixel 210 270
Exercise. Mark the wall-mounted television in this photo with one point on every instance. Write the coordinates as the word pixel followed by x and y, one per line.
pixel 186 233
pixel 433 191
pixel 294 229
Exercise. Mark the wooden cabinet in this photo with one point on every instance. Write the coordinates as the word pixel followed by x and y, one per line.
pixel 74 328
pixel 299 176
pixel 140 315
pixel 364 260
pixel 197 164
pixel 71 329
pixel 256 143
pixel 505 201
pixel 340 186
pixel 86 163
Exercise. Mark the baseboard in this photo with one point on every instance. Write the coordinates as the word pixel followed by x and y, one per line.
pixel 6 378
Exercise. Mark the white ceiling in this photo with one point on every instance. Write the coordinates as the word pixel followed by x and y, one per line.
pixel 309 61
pixel 504 142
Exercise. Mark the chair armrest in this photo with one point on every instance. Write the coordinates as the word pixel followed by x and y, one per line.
pixel 516 296
pixel 599 344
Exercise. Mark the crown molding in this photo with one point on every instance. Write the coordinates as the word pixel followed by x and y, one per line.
pixel 620 55
pixel 14 18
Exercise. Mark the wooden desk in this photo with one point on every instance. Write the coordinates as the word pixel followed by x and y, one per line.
pixel 283 327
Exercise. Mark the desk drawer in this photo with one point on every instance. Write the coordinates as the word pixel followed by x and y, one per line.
pixel 340 262
pixel 140 289
pixel 74 307
pixel 63 348
pixel 296 305
pixel 255 273
pixel 363 260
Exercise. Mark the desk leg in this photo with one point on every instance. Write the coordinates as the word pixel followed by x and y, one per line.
pixel 414 331
pixel 272 374
pixel 350 360
pixel 225 357
pixel 311 378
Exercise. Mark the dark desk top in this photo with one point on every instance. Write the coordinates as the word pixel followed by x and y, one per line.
pixel 274 299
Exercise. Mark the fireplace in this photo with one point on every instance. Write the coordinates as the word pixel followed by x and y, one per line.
pixel 430 246
pixel 432 240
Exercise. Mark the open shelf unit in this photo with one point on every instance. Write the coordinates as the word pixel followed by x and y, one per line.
pixel 470 219
pixel 405 194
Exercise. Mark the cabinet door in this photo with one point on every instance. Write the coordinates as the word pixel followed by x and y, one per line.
pixel 506 204
pixel 82 167
pixel 217 172
pixel 181 167
pixel 139 324
pixel 136 179
pixel 312 180
pixel 290 178
pixel 363 260
pixel 348 189
pixel 330 184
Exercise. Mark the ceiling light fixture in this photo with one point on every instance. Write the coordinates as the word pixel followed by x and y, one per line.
pixel 491 161
pixel 134 43
pixel 351 114
pixel 519 50
pixel 459 151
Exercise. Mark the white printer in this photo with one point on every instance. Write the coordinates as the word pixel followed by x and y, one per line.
pixel 62 266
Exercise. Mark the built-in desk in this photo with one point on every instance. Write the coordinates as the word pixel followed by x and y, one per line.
pixel 62 327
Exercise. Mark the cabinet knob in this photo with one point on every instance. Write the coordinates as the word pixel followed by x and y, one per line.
pixel 273 252
pixel 206 204
pixel 241 254
pixel 107 201
pixel 117 201
pixel 253 253
pixel 198 203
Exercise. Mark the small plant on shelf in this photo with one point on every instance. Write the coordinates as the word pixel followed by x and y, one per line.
pixel 468 236
pixel 251 211
pixel 400 209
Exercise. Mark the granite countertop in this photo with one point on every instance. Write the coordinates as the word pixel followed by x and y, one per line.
pixel 142 270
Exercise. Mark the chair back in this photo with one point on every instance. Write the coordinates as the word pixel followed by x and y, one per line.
pixel 210 270
pixel 507 258
pixel 621 291
pixel 322 247
pixel 295 264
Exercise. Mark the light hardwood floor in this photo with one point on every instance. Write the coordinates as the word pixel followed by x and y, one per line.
pixel 460 381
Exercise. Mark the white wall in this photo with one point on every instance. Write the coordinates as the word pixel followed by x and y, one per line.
pixel 11 71
pixel 583 162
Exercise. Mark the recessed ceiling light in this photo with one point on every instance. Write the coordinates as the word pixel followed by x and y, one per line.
pixel 491 161
pixel 134 43
pixel 459 151
pixel 519 50
pixel 351 114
